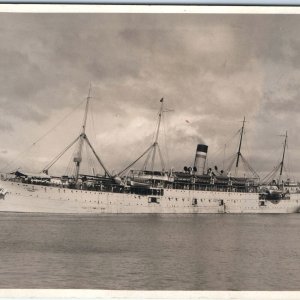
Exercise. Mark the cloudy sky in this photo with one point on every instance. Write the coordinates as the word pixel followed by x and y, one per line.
pixel 212 70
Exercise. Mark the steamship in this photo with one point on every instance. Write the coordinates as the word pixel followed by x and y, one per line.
pixel 196 189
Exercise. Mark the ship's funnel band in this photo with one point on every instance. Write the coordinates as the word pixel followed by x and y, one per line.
pixel 201 155
pixel 200 158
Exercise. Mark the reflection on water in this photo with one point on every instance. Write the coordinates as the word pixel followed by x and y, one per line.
pixel 162 252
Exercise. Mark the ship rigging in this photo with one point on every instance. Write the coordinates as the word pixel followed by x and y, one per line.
pixel 81 139
pixel 239 157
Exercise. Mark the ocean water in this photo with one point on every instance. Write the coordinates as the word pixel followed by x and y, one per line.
pixel 150 252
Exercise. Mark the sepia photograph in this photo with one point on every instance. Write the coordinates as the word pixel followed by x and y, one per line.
pixel 150 151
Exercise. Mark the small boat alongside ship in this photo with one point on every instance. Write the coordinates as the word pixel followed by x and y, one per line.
pixel 196 189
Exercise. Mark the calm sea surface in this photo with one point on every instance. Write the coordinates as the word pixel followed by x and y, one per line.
pixel 163 252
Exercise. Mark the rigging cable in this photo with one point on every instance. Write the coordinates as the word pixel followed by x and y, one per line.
pixel 42 137
pixel 147 158
pixel 217 152
pixel 161 158
pixel 70 170
pixel 144 153
pixel 164 119
pixel 97 157
pixel 92 122
pixel 49 165
pixel 289 170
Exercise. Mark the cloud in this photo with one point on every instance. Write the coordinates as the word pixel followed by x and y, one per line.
pixel 5 126
pixel 211 70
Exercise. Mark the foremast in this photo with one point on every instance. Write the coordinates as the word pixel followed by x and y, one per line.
pixel 81 139
pixel 78 158
pixel 240 145
pixel 283 156
pixel 155 144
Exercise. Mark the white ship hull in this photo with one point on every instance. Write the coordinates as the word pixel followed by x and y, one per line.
pixel 30 198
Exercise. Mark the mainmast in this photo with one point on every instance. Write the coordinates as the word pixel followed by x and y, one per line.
pixel 153 148
pixel 283 154
pixel 239 156
pixel 155 144
pixel 78 158
pixel 240 145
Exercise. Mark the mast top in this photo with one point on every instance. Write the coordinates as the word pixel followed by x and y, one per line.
pixel 240 144
pixel 86 110
pixel 159 120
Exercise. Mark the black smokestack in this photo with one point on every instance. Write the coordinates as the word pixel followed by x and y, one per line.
pixel 200 158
